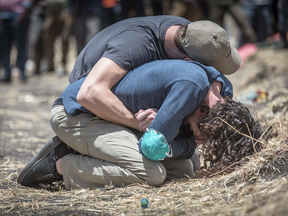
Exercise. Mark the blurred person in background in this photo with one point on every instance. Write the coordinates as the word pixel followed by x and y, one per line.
pixel 192 10
pixel 274 17
pixel 14 21
pixel 283 25
pixel 36 49
pixel 157 6
pixel 131 5
pixel 111 13
pixel 57 23
pixel 259 13
pixel 86 21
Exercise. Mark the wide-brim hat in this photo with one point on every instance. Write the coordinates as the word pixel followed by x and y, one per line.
pixel 209 44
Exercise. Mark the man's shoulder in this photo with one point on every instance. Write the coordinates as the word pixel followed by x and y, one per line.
pixel 160 19
pixel 175 20
pixel 195 71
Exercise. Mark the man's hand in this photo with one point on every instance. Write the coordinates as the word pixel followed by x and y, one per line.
pixel 145 117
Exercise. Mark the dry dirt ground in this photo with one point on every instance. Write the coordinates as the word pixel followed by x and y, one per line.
pixel 260 187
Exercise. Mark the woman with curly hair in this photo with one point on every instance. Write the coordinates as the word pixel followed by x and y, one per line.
pixel 230 133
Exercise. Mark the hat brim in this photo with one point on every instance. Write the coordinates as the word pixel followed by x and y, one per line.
pixel 231 64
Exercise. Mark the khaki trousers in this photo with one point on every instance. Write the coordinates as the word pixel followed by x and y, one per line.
pixel 108 154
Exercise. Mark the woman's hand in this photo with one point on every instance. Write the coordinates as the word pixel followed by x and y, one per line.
pixel 145 117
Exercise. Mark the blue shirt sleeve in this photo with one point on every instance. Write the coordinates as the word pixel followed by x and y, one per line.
pixel 182 148
pixel 183 99
pixel 227 88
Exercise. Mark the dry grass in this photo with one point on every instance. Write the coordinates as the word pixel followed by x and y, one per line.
pixel 255 189
pixel 260 187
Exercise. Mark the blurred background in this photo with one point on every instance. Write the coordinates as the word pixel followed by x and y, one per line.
pixel 45 36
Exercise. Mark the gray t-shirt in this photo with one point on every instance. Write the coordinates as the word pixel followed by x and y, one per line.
pixel 129 43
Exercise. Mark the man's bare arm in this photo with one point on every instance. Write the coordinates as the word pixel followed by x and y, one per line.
pixel 96 96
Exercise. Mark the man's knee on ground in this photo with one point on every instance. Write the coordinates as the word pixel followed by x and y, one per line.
pixel 157 176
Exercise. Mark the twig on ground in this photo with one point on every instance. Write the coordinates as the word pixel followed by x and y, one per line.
pixel 240 132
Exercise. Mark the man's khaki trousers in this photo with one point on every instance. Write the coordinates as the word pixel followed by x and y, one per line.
pixel 108 154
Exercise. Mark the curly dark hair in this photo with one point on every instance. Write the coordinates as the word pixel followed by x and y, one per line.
pixel 224 145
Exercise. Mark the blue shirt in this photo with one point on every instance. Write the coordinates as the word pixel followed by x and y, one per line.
pixel 175 87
